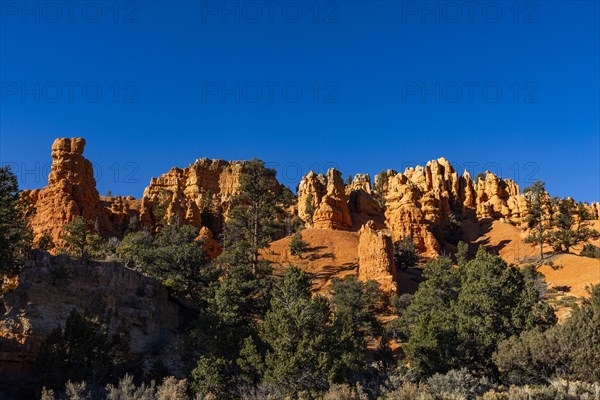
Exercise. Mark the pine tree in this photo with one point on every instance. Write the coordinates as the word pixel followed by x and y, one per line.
pixel 570 222
pixel 253 219
pixel 81 239
pixel 537 200
pixel 298 245
pixel 297 332
pixel 15 237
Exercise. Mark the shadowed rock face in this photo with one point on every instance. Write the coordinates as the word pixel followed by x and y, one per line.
pixel 50 289
pixel 329 200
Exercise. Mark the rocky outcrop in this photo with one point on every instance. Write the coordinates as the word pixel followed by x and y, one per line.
pixel 498 199
pixel 205 186
pixel 311 190
pixel 417 203
pixel 210 245
pixel 423 202
pixel 327 196
pixel 123 212
pixel 71 192
pixel 49 290
pixel 376 258
pixel 406 212
pixel 363 204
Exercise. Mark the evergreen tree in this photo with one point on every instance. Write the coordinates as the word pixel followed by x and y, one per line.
pixel 298 245
pixel 15 237
pixel 570 350
pixel 359 302
pixel 349 180
pixel 495 301
pixel 537 202
pixel 81 351
pixel 570 222
pixel 253 218
pixel 405 254
pixel 458 316
pixel 462 253
pixel 304 348
pixel 174 256
pixel 81 238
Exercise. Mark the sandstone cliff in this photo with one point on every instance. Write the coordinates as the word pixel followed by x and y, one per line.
pixel 50 289
pixel 199 195
pixel 422 202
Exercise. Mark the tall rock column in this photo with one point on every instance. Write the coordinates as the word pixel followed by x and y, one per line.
pixel 71 192
pixel 376 258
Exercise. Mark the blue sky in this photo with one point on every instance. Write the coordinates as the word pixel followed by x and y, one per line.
pixel 363 86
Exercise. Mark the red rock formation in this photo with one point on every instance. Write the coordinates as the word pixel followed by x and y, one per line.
pixel 418 201
pixel 405 215
pixel 414 203
pixel 185 193
pixel 211 247
pixel 329 200
pixel 311 190
pixel 362 203
pixel 376 258
pixel 71 192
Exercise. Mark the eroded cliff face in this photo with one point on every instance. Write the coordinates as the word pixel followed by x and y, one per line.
pixel 71 192
pixel 416 202
pixel 329 201
pixel 55 285
pixel 205 187
pixel 198 195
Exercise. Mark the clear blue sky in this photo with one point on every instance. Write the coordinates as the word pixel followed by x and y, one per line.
pixel 383 84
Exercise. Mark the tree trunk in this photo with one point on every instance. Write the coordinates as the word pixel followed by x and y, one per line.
pixel 255 238
pixel 541 239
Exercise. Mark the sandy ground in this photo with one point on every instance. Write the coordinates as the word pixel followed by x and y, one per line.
pixel 331 254
pixel 568 273
pixel 334 254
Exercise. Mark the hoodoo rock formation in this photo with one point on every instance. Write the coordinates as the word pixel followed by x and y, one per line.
pixel 363 204
pixel 419 202
pixel 71 192
pixel 376 258
pixel 422 202
pixel 199 195
pixel 203 188
pixel 329 200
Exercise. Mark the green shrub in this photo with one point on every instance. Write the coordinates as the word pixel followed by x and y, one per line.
pixel 297 245
pixel 591 251
pixel 458 384
pixel 405 254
